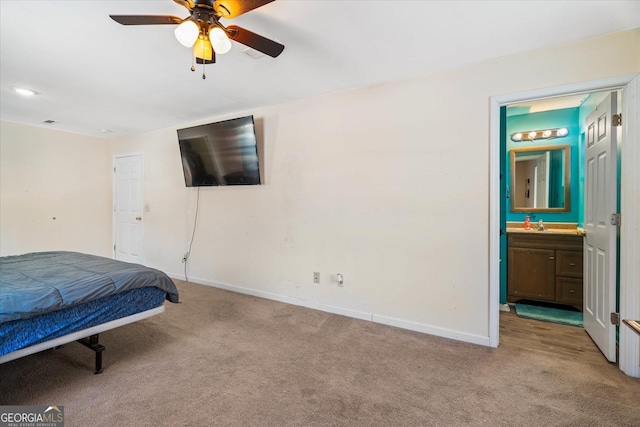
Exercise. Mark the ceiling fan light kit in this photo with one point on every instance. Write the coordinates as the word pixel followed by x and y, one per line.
pixel 187 33
pixel 219 40
pixel 202 49
pixel 203 32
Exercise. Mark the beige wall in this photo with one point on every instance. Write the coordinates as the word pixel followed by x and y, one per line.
pixel 46 174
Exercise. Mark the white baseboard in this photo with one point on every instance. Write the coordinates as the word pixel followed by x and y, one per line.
pixel 281 298
pixel 432 330
pixel 391 321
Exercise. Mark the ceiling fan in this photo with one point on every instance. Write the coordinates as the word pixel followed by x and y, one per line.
pixel 203 31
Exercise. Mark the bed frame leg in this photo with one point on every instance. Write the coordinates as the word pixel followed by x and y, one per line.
pixel 93 344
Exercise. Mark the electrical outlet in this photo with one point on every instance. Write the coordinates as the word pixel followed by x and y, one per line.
pixel 316 277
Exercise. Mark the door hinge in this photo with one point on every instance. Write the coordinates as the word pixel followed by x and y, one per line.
pixel 615 319
pixel 114 170
pixel 616 219
pixel 114 247
pixel 616 120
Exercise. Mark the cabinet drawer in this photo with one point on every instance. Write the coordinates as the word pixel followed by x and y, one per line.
pixel 569 291
pixel 542 240
pixel 569 264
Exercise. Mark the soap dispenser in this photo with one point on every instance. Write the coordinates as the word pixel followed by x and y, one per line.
pixel 527 222
pixel 540 225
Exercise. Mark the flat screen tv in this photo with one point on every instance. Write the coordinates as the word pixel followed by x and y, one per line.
pixel 221 153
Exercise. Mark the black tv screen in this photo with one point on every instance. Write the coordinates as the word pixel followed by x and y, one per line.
pixel 221 153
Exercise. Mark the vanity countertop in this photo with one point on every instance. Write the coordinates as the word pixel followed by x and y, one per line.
pixel 549 228
pixel 546 230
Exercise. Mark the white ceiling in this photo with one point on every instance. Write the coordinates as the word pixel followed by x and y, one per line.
pixel 93 74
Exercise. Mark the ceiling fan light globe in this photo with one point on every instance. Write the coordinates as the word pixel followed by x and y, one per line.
pixel 202 49
pixel 219 40
pixel 187 33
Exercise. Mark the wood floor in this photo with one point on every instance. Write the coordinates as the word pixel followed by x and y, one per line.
pixel 551 338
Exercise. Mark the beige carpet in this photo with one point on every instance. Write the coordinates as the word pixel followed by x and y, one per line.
pixel 220 358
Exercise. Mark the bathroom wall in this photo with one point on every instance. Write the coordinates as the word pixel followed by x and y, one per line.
pixel 547 120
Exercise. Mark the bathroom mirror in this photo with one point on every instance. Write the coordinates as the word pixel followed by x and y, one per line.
pixel 540 178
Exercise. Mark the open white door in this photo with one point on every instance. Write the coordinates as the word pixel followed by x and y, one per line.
pixel 128 203
pixel 600 240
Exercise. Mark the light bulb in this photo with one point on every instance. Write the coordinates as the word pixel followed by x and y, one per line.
pixel 517 136
pixel 23 91
pixel 219 40
pixel 202 49
pixel 532 135
pixel 187 33
pixel 563 131
pixel 546 133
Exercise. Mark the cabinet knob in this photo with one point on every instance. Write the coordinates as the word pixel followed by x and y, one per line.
pixel 572 291
pixel 572 264
pixel 552 257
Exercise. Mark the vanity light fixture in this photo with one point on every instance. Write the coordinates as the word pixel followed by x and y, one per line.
pixel 534 135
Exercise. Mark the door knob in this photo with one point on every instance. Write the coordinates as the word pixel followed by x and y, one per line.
pixel 138 218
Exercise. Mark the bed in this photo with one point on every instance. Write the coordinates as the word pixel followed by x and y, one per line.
pixel 48 299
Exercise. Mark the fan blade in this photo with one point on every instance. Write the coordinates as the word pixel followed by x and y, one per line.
pixel 146 19
pixel 186 3
pixel 233 8
pixel 255 41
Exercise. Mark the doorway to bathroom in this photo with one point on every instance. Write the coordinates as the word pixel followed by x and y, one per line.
pixel 546 250
pixel 580 99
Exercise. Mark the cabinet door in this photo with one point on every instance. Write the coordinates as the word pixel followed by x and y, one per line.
pixel 531 273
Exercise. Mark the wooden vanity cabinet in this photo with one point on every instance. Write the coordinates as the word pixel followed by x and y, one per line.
pixel 545 267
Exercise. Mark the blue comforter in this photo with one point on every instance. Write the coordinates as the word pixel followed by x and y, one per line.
pixel 38 283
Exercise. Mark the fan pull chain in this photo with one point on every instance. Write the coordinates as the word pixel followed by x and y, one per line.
pixel 193 58
pixel 204 62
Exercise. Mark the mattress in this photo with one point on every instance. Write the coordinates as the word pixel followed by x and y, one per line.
pixel 22 333
pixel 38 283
